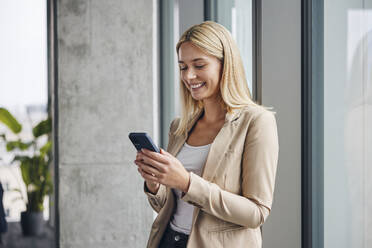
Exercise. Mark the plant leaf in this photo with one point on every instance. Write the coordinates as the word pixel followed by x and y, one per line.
pixel 20 158
pixel 46 148
pixel 44 127
pixel 11 145
pixel 8 120
pixel 26 170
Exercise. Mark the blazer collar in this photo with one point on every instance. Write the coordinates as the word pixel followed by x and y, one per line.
pixel 233 115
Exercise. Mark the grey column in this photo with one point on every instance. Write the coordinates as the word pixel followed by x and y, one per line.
pixel 105 91
pixel 281 88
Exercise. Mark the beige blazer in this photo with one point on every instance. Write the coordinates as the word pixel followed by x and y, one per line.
pixel 233 197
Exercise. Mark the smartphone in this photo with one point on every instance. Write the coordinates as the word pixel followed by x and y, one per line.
pixel 143 140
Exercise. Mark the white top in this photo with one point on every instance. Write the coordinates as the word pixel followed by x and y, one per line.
pixel 193 159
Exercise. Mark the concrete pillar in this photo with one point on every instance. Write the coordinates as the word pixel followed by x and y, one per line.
pixel 105 91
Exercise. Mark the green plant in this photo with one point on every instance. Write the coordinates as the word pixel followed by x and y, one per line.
pixel 35 165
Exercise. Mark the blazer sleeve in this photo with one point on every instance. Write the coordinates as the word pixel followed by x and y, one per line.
pixel 157 200
pixel 259 163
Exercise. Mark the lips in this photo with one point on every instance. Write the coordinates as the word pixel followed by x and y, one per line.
pixel 197 86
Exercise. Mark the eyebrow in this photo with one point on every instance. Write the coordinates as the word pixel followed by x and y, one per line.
pixel 180 61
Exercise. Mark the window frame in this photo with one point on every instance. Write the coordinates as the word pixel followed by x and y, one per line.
pixel 312 119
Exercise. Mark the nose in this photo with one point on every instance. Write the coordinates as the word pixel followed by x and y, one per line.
pixel 190 74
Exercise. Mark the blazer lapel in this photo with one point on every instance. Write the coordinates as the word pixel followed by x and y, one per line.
pixel 220 145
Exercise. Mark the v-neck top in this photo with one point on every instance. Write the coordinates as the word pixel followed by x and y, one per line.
pixel 193 159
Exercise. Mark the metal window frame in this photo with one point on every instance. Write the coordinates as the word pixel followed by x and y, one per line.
pixel 210 10
pixel 306 117
pixel 168 91
pixel 52 44
pixel 312 129
pixel 256 52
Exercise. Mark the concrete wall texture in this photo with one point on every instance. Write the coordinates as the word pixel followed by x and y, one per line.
pixel 104 86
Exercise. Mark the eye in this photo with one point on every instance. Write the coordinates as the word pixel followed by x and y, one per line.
pixel 199 66
pixel 196 66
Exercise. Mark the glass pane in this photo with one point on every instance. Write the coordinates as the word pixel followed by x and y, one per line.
pixel 237 17
pixel 347 123
pixel 23 86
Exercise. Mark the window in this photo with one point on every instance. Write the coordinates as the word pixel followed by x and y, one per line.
pixel 23 87
pixel 339 142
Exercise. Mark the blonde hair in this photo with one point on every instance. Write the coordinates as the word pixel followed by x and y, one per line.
pixel 214 39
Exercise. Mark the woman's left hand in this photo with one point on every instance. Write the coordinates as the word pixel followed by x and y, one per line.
pixel 168 170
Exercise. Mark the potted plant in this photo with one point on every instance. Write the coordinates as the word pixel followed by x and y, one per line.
pixel 34 159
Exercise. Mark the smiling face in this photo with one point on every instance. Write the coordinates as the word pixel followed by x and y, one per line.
pixel 200 72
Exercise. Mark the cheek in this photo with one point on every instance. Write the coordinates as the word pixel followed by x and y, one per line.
pixel 219 74
pixel 215 74
pixel 214 78
pixel 208 75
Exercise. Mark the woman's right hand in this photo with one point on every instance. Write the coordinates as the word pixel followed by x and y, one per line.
pixel 152 186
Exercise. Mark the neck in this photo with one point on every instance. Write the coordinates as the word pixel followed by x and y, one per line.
pixel 213 111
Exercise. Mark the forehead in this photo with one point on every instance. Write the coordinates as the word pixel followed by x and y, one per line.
pixel 189 52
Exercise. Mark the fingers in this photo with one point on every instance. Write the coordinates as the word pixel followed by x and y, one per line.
pixel 155 156
pixel 138 156
pixel 149 161
pixel 147 168
pixel 147 177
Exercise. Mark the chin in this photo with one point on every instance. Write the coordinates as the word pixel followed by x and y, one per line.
pixel 197 98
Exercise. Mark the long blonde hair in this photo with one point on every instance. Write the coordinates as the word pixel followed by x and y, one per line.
pixel 214 39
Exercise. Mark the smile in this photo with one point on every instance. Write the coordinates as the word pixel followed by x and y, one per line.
pixel 196 86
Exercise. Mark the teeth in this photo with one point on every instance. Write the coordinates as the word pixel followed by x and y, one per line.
pixel 196 85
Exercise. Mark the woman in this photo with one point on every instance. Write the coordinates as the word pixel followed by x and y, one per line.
pixel 213 187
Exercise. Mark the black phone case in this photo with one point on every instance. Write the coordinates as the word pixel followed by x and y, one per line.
pixel 143 140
